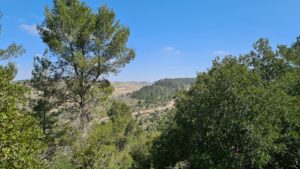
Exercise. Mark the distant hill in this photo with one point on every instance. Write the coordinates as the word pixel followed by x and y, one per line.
pixel 161 91
pixel 143 94
pixel 122 88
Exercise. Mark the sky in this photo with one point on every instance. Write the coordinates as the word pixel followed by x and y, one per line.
pixel 172 38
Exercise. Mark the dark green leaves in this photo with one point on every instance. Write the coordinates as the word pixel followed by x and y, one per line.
pixel 242 113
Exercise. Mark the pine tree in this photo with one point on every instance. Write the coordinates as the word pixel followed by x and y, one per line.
pixel 88 46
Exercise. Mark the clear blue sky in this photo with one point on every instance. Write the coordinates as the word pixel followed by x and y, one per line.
pixel 172 38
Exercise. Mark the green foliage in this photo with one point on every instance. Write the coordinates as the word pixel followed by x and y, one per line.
pixel 264 61
pixel 242 113
pixel 41 82
pixel 20 136
pixel 62 161
pixel 162 91
pixel 12 50
pixel 113 144
pixel 43 102
pixel 88 46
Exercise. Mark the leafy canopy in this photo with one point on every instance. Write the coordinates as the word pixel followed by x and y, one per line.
pixel 87 45
pixel 242 113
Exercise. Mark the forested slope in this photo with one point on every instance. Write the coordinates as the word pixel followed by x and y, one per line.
pixel 162 91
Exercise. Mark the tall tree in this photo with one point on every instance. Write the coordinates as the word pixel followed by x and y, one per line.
pixel 243 113
pixel 228 119
pixel 41 81
pixel 88 47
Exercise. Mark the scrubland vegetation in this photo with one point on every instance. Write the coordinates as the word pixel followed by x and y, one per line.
pixel 243 112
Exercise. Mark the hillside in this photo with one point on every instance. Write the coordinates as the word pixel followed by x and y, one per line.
pixel 122 88
pixel 161 91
